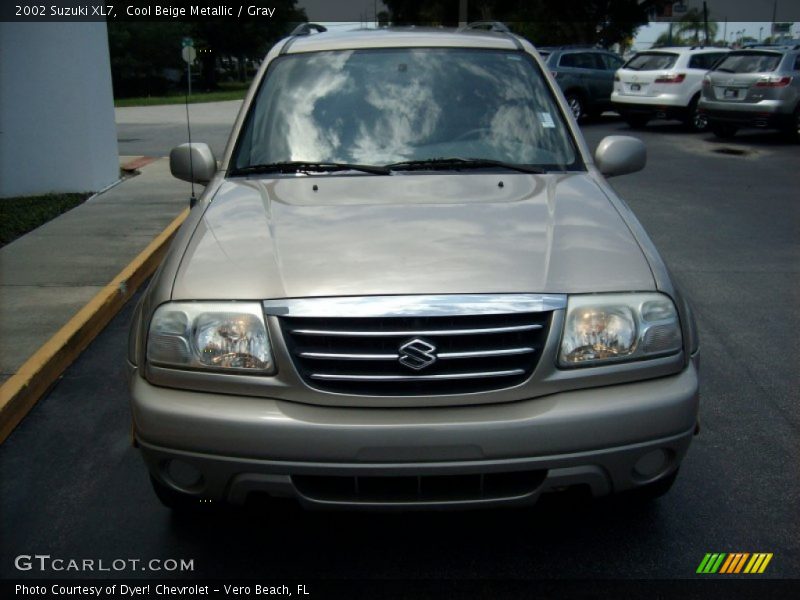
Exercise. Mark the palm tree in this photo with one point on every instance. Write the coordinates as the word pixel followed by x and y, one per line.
pixel 665 39
pixel 692 23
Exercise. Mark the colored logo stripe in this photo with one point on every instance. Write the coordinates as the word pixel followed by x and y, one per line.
pixel 720 562
pixel 711 563
pixel 758 563
pixel 735 562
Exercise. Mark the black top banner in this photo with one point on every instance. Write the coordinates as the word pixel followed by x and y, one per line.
pixel 361 11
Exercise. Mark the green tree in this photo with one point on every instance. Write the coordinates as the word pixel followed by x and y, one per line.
pixel 146 55
pixel 665 39
pixel 544 22
pixel 244 39
pixel 691 25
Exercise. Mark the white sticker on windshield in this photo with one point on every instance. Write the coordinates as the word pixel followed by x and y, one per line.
pixel 546 119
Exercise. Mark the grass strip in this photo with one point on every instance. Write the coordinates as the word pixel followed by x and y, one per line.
pixel 19 215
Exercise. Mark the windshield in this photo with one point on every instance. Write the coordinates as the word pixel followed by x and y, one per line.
pixel 651 61
pixel 752 62
pixel 379 107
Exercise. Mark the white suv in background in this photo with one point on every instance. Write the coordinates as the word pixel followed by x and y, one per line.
pixel 664 84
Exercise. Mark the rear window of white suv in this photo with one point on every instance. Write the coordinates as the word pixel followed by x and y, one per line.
pixel 651 61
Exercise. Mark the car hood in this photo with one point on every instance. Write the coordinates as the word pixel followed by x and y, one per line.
pixel 410 233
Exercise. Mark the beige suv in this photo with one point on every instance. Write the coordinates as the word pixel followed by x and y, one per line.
pixel 408 285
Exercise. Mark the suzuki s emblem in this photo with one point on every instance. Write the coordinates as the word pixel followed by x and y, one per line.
pixel 417 354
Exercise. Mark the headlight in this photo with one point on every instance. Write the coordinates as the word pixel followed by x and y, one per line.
pixel 617 327
pixel 219 336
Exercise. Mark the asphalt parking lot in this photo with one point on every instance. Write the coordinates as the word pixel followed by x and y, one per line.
pixel 725 218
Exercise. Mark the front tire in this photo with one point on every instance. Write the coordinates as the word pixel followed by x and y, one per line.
pixel 576 105
pixel 696 120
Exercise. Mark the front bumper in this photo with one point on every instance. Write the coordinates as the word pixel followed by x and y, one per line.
pixel 609 439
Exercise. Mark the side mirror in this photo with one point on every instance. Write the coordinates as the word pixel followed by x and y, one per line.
pixel 193 162
pixel 619 155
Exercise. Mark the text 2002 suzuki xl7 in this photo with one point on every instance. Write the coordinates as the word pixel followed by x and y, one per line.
pixel 408 285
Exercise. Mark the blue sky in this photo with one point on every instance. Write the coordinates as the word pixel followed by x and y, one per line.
pixel 648 34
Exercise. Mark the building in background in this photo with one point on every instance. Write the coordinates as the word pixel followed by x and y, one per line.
pixel 57 129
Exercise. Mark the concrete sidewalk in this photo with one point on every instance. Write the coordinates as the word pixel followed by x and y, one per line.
pixel 48 275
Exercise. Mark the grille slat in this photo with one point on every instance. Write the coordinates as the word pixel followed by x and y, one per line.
pixel 488 330
pixel 441 376
pixel 416 355
pixel 441 355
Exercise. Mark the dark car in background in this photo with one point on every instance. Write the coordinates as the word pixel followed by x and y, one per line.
pixel 758 87
pixel 585 75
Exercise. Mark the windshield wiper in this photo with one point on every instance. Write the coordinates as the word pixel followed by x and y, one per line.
pixel 456 164
pixel 299 166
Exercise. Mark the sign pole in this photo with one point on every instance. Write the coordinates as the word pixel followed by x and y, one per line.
pixel 188 53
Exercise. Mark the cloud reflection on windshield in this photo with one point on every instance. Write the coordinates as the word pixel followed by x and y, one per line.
pixel 379 107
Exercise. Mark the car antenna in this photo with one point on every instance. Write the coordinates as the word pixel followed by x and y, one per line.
pixel 189 54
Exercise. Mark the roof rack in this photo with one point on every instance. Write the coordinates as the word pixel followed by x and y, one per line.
pixel 485 26
pixel 307 28
pixel 771 46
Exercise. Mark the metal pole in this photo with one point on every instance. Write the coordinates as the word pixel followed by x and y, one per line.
pixel 462 13
pixel 705 21
pixel 188 127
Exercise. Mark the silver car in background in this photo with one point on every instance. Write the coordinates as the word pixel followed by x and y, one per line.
pixel 758 87
pixel 408 285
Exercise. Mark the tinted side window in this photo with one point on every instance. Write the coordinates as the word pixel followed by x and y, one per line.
pixel 611 62
pixel 567 60
pixel 579 60
pixel 716 58
pixel 705 61
pixel 797 63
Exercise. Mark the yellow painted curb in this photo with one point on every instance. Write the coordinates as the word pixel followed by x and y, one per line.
pixel 23 390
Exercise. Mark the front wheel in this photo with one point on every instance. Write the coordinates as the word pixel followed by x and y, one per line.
pixel 576 105
pixel 696 120
pixel 723 130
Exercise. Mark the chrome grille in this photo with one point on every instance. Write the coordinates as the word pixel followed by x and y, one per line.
pixel 449 354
